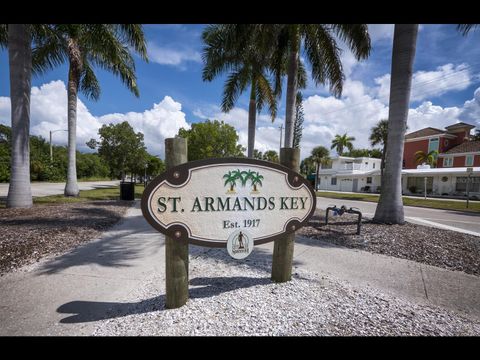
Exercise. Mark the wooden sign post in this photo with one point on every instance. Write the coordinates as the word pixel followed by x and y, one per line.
pixel 176 251
pixel 234 203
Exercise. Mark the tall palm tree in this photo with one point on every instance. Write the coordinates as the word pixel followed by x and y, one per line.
pixel 390 204
pixel 84 46
pixel 430 158
pixel 378 136
pixel 323 53
pixel 237 49
pixel 319 154
pixel 19 38
pixel 340 142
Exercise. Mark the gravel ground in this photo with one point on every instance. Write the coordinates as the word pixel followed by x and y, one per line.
pixel 443 248
pixel 237 298
pixel 27 235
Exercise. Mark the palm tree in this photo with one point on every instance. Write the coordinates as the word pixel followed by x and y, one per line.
pixel 19 40
pixel 341 142
pixel 378 136
pixel 271 155
pixel 84 46
pixel 299 118
pixel 390 204
pixel 319 154
pixel 421 157
pixel 323 53
pixel 465 28
pixel 231 178
pixel 234 49
pixel 256 180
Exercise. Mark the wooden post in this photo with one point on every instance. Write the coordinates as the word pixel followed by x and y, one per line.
pixel 283 247
pixel 176 251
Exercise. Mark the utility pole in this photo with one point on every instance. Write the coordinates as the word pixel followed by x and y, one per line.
pixel 469 172
pixel 281 132
pixel 51 149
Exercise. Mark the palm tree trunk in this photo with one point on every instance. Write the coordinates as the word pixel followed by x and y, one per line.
pixel 71 188
pixel 292 86
pixel 252 114
pixel 390 204
pixel 20 60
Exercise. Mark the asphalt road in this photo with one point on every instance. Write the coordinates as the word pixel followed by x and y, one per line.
pixel 46 189
pixel 444 219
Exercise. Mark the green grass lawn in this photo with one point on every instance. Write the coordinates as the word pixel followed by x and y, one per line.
pixel 112 193
pixel 435 204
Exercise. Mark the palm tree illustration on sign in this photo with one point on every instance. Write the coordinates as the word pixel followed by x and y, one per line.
pixel 231 178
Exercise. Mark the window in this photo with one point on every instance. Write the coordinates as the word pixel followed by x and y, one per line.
pixel 474 185
pixel 334 181
pixel 448 162
pixel 433 144
pixel 469 160
pixel 374 165
pixel 369 180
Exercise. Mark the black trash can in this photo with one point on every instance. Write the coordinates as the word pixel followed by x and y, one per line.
pixel 127 191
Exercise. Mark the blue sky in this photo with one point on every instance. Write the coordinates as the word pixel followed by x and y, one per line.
pixel 173 95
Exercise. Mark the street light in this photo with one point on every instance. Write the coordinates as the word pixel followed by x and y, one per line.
pixel 145 177
pixel 51 149
pixel 469 172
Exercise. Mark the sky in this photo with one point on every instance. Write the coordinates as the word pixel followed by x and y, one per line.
pixel 445 90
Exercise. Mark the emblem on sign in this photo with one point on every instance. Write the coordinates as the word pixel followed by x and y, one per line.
pixel 239 244
pixel 207 201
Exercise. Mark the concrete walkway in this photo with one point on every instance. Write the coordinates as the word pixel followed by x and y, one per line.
pixel 70 294
pixel 46 188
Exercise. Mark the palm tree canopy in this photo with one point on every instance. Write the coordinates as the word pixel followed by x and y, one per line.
pixel 321 49
pixel 379 133
pixel 319 153
pixel 423 157
pixel 342 141
pixel 465 28
pixel 107 46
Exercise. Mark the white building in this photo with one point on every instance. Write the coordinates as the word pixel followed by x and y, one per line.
pixel 441 181
pixel 360 174
pixel 363 175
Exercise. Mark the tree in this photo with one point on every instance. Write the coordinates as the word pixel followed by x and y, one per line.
pixel 390 204
pixel 298 124
pixel 323 53
pixel 421 157
pixel 257 154
pixel 121 148
pixel 379 136
pixel 319 154
pixel 155 165
pixel 20 62
pixel 476 137
pixel 271 155
pixel 211 139
pixel 341 142
pixel 234 48
pixel 84 45
pixel 307 166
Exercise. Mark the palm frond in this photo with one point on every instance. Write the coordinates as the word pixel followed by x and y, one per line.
pixel 89 84
pixel 324 55
pixel 356 37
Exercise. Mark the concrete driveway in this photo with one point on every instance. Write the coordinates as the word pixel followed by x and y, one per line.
pixel 46 189
pixel 464 222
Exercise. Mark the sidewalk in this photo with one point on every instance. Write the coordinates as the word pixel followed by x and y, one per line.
pixel 109 270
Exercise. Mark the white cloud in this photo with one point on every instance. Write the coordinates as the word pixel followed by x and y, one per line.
pixel 380 32
pixel 429 84
pixel 170 56
pixel 49 112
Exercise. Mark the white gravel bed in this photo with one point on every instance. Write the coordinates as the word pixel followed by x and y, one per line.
pixel 237 298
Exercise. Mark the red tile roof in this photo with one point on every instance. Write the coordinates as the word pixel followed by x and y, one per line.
pixel 466 147
pixel 424 132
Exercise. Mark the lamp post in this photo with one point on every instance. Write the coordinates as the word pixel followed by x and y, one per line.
pixel 145 177
pixel 425 187
pixel 469 172
pixel 51 149
pixel 281 131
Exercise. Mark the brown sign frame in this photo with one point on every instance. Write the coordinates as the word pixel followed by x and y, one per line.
pixel 180 174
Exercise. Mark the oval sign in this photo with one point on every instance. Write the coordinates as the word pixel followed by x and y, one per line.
pixel 206 201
